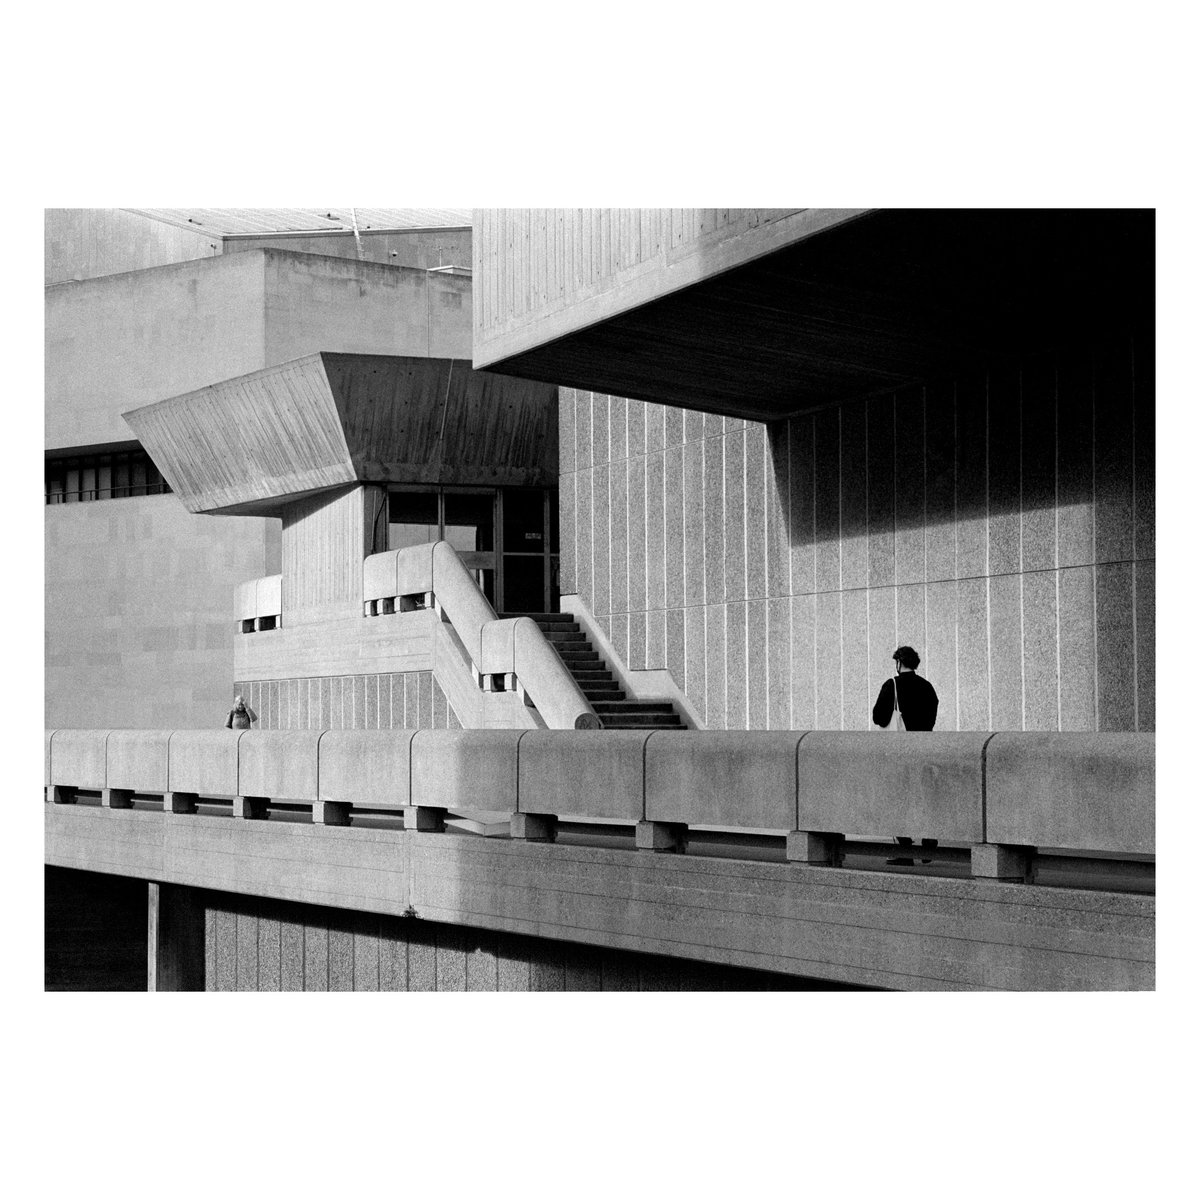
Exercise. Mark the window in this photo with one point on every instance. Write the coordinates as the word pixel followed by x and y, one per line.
pixel 507 537
pixel 104 475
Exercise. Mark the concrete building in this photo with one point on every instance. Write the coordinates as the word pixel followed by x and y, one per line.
pixel 143 305
pixel 794 439
pixel 787 440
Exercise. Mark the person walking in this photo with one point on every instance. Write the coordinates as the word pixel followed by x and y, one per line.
pixel 917 705
pixel 241 715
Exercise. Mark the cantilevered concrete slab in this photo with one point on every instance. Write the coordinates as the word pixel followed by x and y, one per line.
pixel 255 442
pixel 766 314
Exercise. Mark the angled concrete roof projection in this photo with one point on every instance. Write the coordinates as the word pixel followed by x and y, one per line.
pixel 249 444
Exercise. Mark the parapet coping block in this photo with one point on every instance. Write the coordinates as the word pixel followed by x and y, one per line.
pixel 204 761
pixel 585 773
pixel 138 758
pixel 1081 791
pixel 887 784
pixel 370 768
pixel 279 763
pixel 465 768
pixel 732 779
pixel 79 758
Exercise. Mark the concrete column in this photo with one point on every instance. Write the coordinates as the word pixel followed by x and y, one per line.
pixel 179 802
pixel 116 798
pixel 175 941
pixel 661 837
pixel 990 861
pixel 425 820
pixel 533 827
pixel 250 808
pixel 815 849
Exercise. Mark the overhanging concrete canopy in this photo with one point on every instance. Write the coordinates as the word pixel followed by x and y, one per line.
pixel 850 305
pixel 251 444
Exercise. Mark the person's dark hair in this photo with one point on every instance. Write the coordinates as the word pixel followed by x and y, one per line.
pixel 906 656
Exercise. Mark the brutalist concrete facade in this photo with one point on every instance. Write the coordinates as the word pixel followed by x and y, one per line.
pixel 1002 523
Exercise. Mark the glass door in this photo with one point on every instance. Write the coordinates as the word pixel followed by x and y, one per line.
pixel 525 566
pixel 468 524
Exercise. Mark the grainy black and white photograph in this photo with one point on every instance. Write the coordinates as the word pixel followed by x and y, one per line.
pixel 600 599
pixel 548 686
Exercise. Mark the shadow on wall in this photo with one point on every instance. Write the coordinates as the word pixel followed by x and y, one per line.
pixel 1001 523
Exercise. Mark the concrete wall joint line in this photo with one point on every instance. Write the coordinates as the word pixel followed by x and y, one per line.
pixel 983 786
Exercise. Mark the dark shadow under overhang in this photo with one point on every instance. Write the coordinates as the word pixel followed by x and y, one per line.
pixel 891 298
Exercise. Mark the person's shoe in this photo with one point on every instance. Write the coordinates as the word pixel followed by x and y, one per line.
pixel 928 844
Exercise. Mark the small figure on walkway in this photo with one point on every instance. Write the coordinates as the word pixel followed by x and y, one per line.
pixel 241 715
pixel 914 703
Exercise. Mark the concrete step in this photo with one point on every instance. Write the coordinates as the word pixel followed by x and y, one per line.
pixel 590 672
pixel 569 656
pixel 641 721
pixel 567 638
pixel 617 707
pixel 559 616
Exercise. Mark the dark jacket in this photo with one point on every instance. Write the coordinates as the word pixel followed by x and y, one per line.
pixel 918 702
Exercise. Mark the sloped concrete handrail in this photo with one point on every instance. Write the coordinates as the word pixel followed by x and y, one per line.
pixel 551 687
pixel 513 646
pixel 456 591
pixel 1086 792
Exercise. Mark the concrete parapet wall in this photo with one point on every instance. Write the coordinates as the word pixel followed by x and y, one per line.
pixel 1080 790
pixel 78 758
pixel 204 761
pixel 465 768
pixel 367 767
pixel 590 773
pixel 736 780
pixel 279 764
pixel 924 785
pixel 137 759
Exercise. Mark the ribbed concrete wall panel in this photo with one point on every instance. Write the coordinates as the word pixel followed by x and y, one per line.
pixel 396 700
pixel 1001 523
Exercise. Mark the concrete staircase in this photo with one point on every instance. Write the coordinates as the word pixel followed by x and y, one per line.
pixel 604 693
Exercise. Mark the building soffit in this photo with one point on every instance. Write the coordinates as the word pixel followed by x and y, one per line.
pixel 870 303
pixel 258 442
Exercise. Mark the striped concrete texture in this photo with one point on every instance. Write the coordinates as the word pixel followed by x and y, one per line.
pixel 1003 524
pixel 395 700
pixel 261 945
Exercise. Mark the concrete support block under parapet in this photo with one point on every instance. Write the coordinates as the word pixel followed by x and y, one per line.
pixel 179 802
pixel 815 849
pixel 250 808
pixel 330 812
pixel 661 837
pixel 533 827
pixel 116 798
pixel 990 861
pixel 424 819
